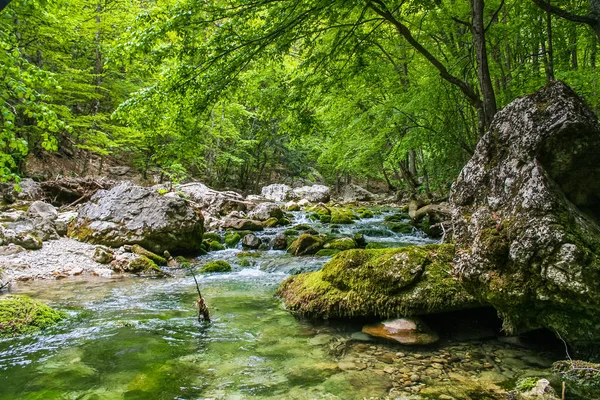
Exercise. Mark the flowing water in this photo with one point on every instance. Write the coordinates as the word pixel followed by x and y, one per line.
pixel 138 338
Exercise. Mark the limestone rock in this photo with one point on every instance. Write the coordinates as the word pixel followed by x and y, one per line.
pixel 314 194
pixel 406 331
pixel 351 193
pixel 130 214
pixel 251 242
pixel 103 255
pixel 242 224
pixel 213 202
pixel 525 211
pixel 278 192
pixel 264 211
pixel 39 209
pixel 383 283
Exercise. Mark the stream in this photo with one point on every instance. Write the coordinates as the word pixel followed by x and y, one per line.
pixel 138 338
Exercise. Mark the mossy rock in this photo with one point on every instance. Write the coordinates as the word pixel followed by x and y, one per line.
pixel 327 252
pixel 291 232
pixel 398 217
pixel 387 283
pixel 254 254
pixel 144 265
pixel 306 245
pixel 375 246
pixel 232 239
pixel 342 216
pixel 341 244
pixel 401 227
pixel 212 236
pixel 365 214
pixel 284 221
pixel 215 266
pixel 21 314
pixel 324 218
pixel 271 222
pixel 301 227
pixel 216 246
pixel 137 249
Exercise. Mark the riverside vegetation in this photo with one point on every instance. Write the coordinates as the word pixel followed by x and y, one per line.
pixel 433 232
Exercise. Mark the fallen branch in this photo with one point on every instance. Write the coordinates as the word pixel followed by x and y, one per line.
pixel 203 312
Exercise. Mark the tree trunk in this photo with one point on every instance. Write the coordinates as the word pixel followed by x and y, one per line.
pixel 483 69
pixel 550 49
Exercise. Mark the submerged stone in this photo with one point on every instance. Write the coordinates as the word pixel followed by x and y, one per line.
pixel 403 330
pixel 386 283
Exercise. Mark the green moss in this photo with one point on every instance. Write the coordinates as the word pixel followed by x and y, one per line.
pixel 379 283
pixel 301 227
pixel 271 222
pixel 375 246
pixel 401 227
pixel 341 244
pixel 215 266
pixel 526 384
pixel 241 254
pixel 342 216
pixel 291 232
pixel 143 264
pixel 305 245
pixel 244 262
pixel 327 252
pixel 325 219
pixel 216 246
pixel 284 221
pixel 232 239
pixel 21 314
pixel 137 249
pixel 214 237
pixel 364 213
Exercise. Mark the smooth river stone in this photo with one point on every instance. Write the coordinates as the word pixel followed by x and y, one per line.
pixel 403 330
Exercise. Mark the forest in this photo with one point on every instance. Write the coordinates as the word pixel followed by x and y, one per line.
pixel 299 199
pixel 241 93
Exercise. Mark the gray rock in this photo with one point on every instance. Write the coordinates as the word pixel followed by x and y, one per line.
pixel 30 190
pixel 119 171
pixel 314 194
pixel 131 214
pixel 351 193
pixel 251 242
pixel 278 192
pixel 213 202
pixel 103 255
pixel 23 239
pixel 11 249
pixel 242 224
pixel 279 242
pixel 39 209
pixel 525 215
pixel 264 211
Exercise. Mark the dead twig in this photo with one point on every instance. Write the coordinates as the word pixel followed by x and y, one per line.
pixel 203 312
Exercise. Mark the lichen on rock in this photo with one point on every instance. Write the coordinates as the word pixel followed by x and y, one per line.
pixel 525 216
pixel 386 283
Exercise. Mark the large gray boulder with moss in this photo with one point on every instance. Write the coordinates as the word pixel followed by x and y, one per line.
pixel 525 215
pixel 314 193
pixel 278 192
pixel 131 214
pixel 387 283
pixel 213 202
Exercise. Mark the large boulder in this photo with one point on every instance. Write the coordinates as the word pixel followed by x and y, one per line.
pixel 131 214
pixel 387 283
pixel 351 193
pixel 264 211
pixel 213 202
pixel 314 194
pixel 278 192
pixel 525 215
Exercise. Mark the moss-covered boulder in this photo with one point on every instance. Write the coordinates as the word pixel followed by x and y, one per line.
pixel 131 214
pixel 526 216
pixel 232 239
pixel 215 266
pixel 387 283
pixel 327 252
pixel 342 216
pixel 306 245
pixel 212 236
pixel 21 314
pixel 341 244
pixel 215 246
pixel 137 249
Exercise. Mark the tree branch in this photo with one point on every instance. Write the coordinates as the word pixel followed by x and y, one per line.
pixel 582 19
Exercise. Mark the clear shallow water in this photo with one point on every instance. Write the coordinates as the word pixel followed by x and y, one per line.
pixel 138 338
